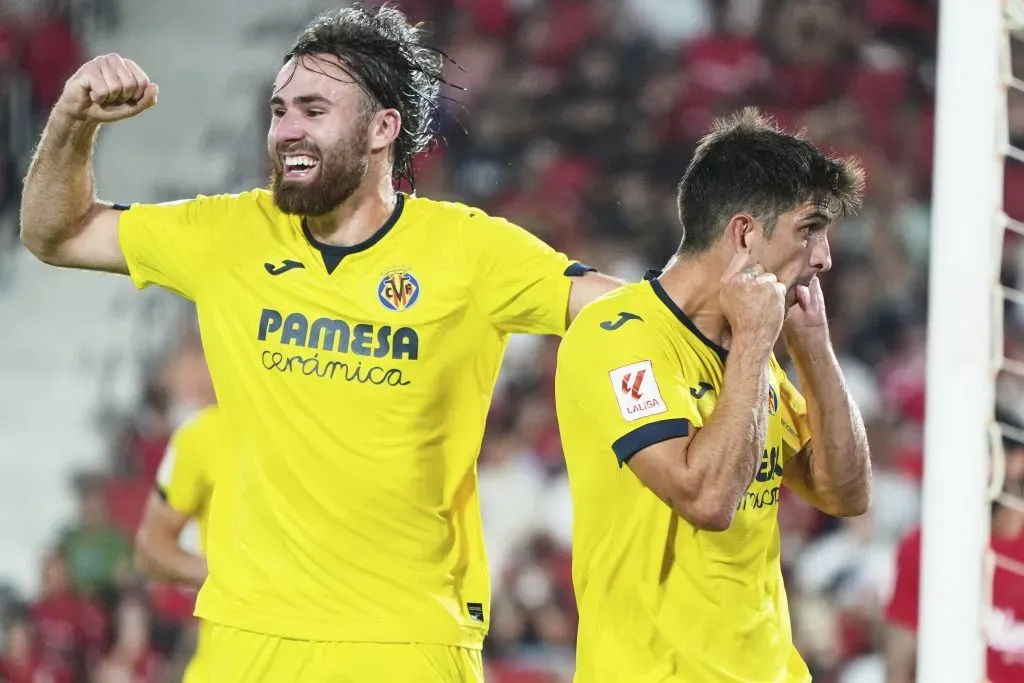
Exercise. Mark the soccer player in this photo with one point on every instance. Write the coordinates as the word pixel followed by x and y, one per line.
pixel 184 488
pixel 354 335
pixel 677 422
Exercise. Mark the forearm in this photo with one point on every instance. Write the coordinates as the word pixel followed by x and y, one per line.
pixel 166 560
pixel 839 466
pixel 724 454
pixel 59 192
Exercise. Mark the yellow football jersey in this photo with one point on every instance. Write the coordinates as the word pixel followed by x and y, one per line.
pixel 185 480
pixel 187 472
pixel 660 600
pixel 355 382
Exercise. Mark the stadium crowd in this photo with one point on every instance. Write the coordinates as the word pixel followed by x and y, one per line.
pixel 575 118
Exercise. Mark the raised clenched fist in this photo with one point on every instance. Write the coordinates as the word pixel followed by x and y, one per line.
pixel 107 89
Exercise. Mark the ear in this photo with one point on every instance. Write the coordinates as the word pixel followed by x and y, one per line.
pixel 740 230
pixel 385 126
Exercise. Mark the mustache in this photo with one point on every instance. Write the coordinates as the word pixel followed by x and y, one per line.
pixel 301 148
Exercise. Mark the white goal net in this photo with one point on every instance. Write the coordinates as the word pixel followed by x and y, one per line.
pixel 969 305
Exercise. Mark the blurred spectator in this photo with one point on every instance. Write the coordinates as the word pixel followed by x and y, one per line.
pixel 52 54
pixel 1004 622
pixel 97 554
pixel 21 662
pixel 71 629
pixel 132 657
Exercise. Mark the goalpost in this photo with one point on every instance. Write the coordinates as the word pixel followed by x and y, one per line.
pixel 963 320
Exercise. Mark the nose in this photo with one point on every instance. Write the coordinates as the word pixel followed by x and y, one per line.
pixel 287 128
pixel 821 255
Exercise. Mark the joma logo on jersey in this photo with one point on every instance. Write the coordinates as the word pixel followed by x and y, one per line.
pixel 331 334
pixel 398 290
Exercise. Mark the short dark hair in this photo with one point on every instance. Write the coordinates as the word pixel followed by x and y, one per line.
pixel 746 164
pixel 382 52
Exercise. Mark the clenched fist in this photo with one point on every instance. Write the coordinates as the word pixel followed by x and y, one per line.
pixel 753 301
pixel 107 89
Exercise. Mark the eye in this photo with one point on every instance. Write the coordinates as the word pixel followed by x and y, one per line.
pixel 312 113
pixel 277 112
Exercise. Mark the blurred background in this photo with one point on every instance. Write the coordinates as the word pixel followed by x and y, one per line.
pixel 577 120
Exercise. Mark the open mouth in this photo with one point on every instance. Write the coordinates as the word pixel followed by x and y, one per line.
pixel 300 166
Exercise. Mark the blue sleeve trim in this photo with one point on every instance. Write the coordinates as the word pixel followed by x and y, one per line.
pixel 121 207
pixel 630 444
pixel 577 269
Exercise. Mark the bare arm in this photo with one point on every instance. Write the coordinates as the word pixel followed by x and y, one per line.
pixel 833 472
pixel 587 288
pixel 900 654
pixel 157 549
pixel 61 222
pixel 703 476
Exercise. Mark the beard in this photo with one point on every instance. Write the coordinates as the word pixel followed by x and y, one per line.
pixel 338 175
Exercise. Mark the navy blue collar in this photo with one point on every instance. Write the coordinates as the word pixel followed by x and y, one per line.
pixel 652 277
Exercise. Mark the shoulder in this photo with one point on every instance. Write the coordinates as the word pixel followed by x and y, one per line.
pixel 450 214
pixel 621 317
pixel 197 430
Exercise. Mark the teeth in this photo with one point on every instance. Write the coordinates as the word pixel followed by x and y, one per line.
pixel 303 161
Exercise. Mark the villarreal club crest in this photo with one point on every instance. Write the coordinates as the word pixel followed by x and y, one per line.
pixel 398 290
pixel 773 400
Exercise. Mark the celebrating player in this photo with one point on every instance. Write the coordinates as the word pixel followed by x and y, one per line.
pixel 354 335
pixel 184 487
pixel 676 557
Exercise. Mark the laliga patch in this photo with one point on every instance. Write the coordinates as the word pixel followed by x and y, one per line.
pixel 637 391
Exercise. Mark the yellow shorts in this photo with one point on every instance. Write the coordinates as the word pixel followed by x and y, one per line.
pixel 237 656
pixel 196 671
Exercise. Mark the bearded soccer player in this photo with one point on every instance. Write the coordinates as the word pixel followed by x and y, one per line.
pixel 184 488
pixel 354 335
pixel 679 426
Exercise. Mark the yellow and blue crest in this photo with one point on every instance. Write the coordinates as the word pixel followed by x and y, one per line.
pixel 773 400
pixel 398 290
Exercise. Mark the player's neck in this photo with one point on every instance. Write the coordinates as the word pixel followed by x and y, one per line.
pixel 693 284
pixel 358 217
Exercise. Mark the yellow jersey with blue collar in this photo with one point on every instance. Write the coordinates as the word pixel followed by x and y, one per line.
pixel 660 600
pixel 355 382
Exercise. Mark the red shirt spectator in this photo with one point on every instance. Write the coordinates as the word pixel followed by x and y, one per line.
pixel 71 629
pixel 51 56
pixel 22 664
pixel 1005 619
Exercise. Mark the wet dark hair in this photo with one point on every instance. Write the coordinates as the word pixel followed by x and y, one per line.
pixel 746 164
pixel 383 54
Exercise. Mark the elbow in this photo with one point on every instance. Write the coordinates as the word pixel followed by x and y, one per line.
pixel 853 505
pixel 852 501
pixel 708 514
pixel 39 248
pixel 143 555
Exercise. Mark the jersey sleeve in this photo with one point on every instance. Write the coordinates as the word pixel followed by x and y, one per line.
pixel 627 383
pixel 172 245
pixel 521 283
pixel 181 478
pixel 796 431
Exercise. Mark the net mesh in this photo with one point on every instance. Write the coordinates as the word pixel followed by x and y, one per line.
pixel 1008 283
